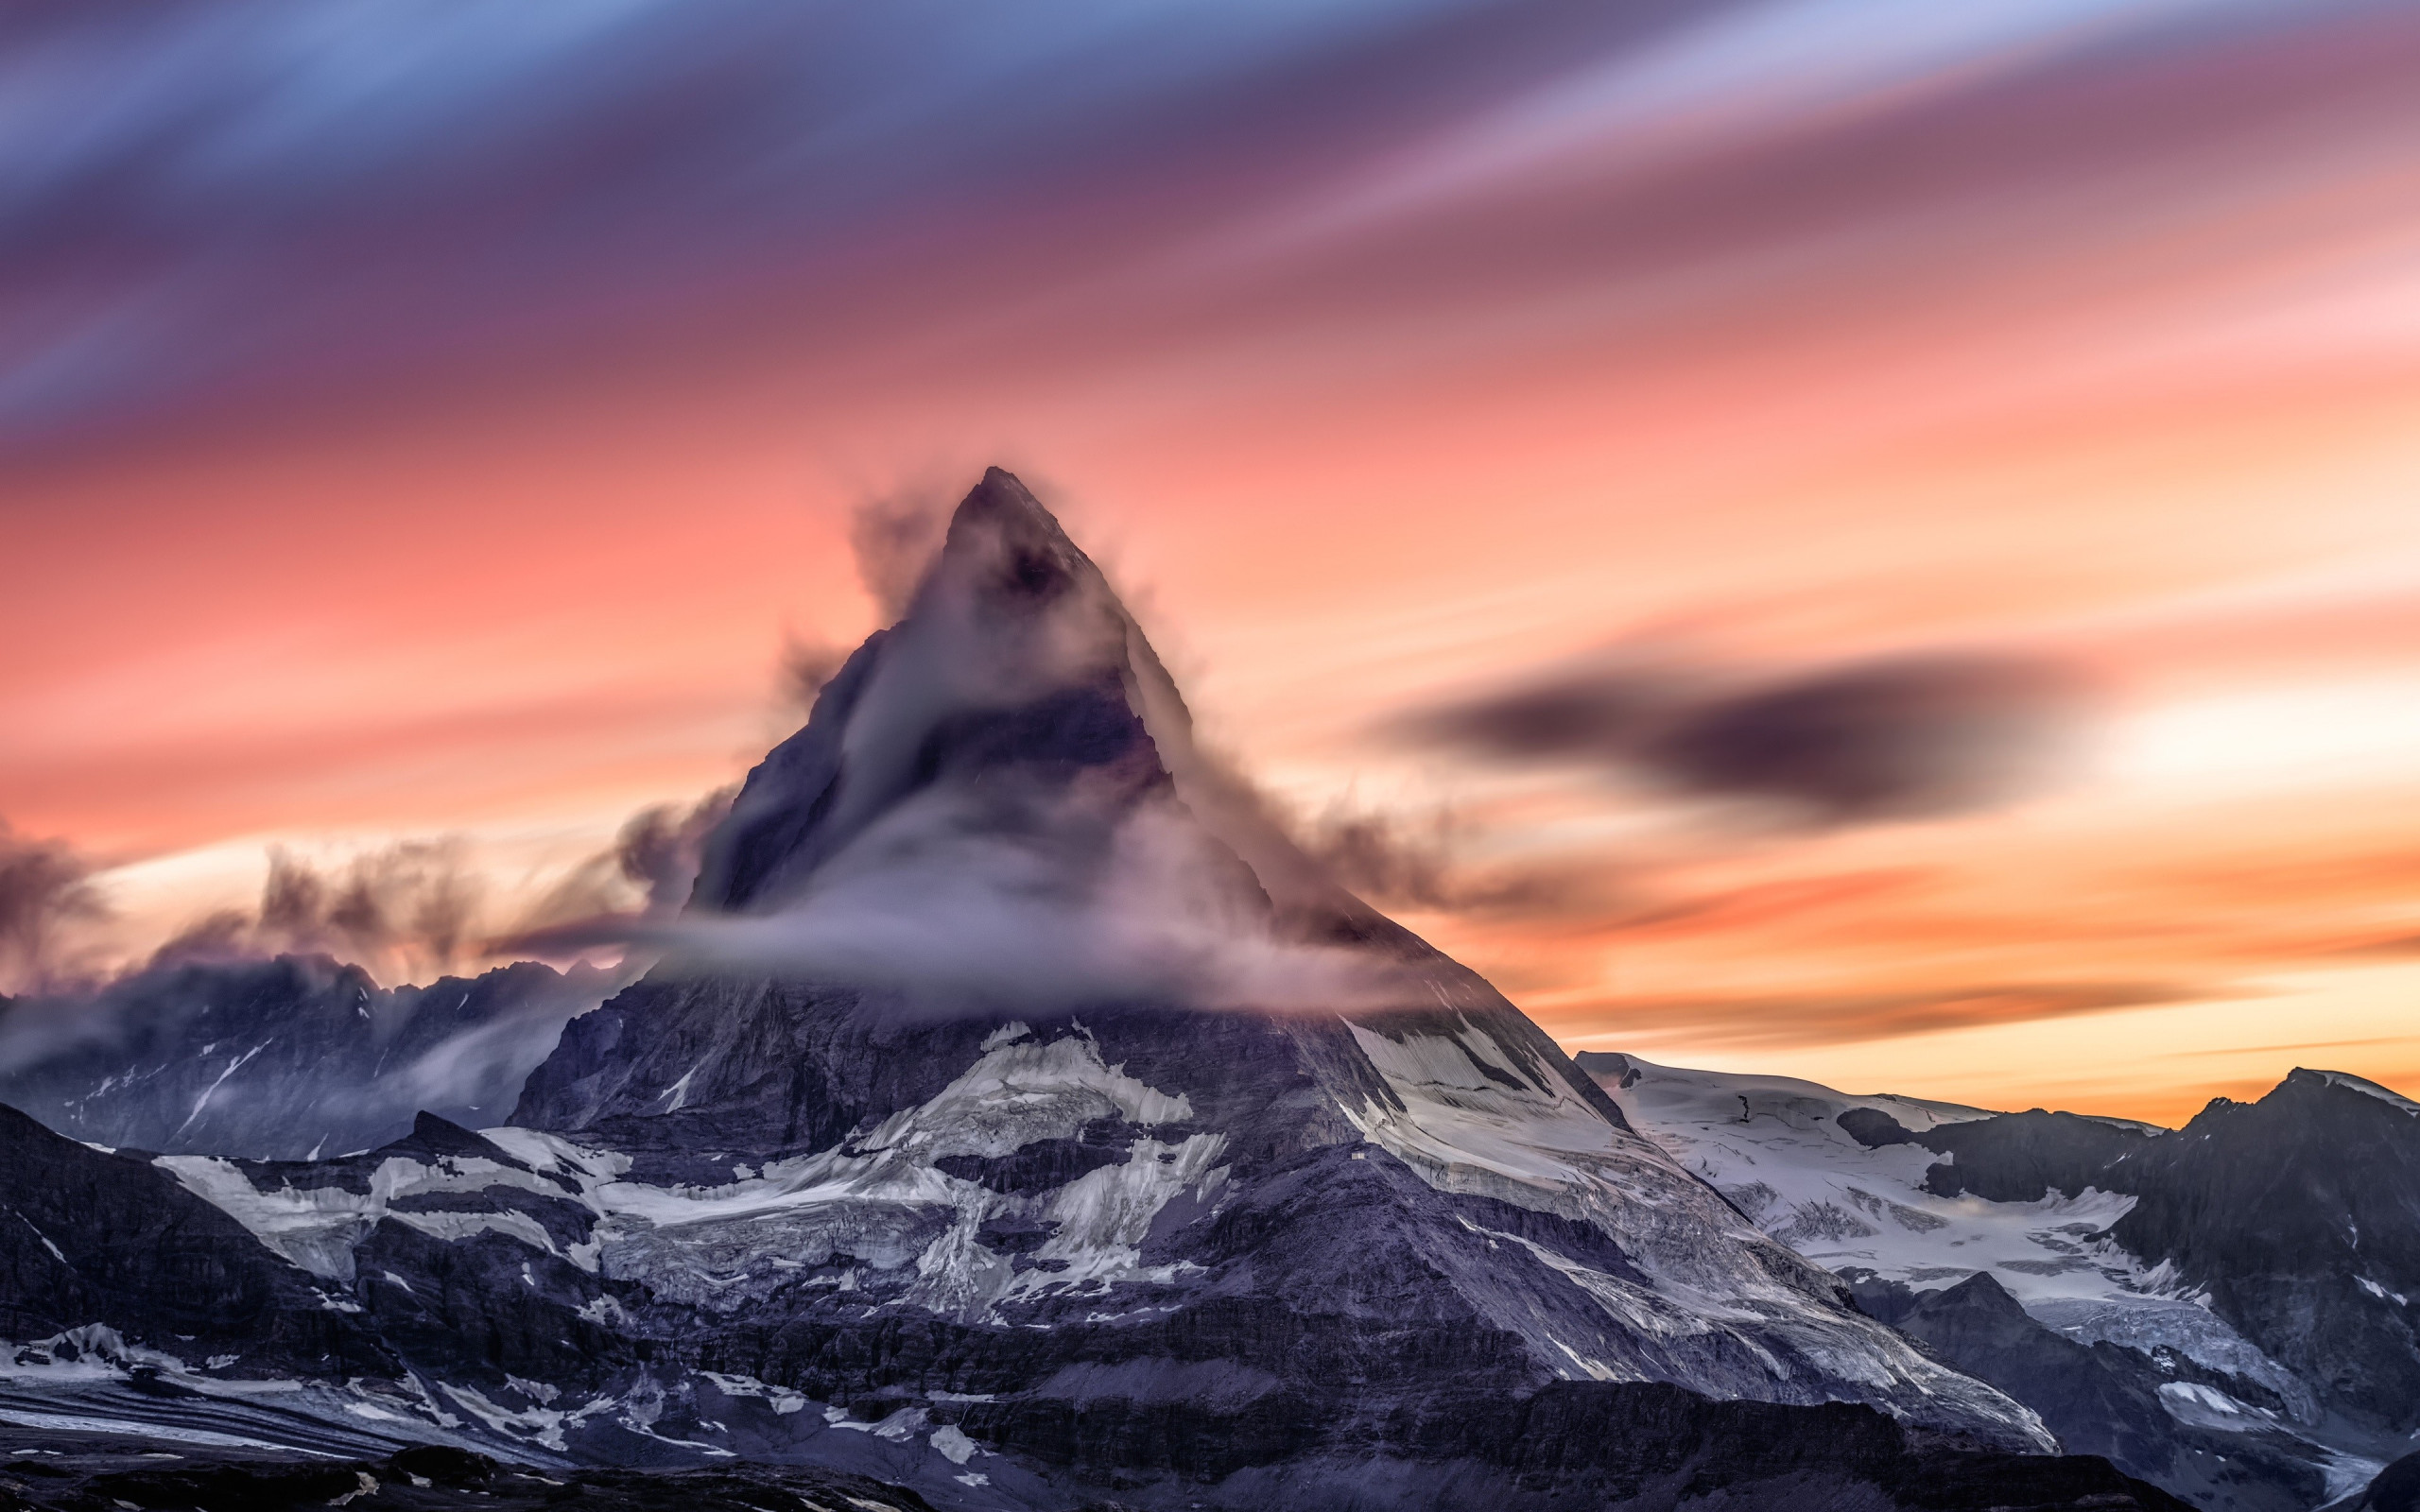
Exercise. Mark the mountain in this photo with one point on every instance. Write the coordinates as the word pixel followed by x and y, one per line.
pixel 2216 1309
pixel 280 1059
pixel 1016 1117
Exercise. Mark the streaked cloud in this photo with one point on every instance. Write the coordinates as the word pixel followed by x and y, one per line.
pixel 422 422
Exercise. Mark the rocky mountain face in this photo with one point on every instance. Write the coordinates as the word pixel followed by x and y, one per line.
pixel 280 1059
pixel 1016 1118
pixel 2299 1217
pixel 2217 1309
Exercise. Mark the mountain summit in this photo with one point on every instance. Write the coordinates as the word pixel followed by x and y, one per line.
pixel 1017 684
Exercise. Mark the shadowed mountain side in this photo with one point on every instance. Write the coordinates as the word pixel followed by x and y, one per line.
pixel 2300 1217
pixel 2395 1489
pixel 2102 1399
pixel 2215 1308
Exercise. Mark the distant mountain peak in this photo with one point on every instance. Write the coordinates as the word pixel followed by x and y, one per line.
pixel 1226 1078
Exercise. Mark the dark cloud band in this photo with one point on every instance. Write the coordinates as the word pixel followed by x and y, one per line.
pixel 1878 739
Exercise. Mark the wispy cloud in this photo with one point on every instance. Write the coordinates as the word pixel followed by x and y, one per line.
pixel 46 887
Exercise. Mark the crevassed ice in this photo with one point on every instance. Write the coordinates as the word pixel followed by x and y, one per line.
pixel 2147 1323
pixel 880 1199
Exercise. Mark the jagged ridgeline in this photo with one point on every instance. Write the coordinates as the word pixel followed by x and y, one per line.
pixel 1015 1116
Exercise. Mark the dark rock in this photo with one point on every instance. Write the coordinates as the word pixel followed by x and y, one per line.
pixel 1046 1163
pixel 2397 1489
pixel 1608 1063
pixel 443 1463
pixel 2022 1157
pixel 1874 1128
pixel 2102 1399
pixel 479 1309
pixel 89 1238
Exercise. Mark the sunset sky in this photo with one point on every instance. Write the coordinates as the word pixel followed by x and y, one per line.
pixel 432 424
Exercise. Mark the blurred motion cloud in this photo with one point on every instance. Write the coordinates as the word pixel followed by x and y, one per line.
pixel 1907 737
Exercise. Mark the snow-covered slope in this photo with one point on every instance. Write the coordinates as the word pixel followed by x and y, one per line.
pixel 2126 1356
pixel 1776 1148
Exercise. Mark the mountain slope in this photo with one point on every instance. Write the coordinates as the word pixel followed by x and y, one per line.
pixel 2299 1217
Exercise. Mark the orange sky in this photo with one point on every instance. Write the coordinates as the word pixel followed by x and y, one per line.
pixel 377 469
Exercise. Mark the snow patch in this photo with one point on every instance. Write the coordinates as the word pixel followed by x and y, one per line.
pixel 1773 1145
pixel 2191 1402
pixel 954 1444
pixel 207 1093
pixel 316 1228
pixel 1470 1119
pixel 781 1399
pixel 2368 1089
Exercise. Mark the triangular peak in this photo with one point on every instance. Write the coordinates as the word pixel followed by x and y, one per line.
pixel 1018 678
